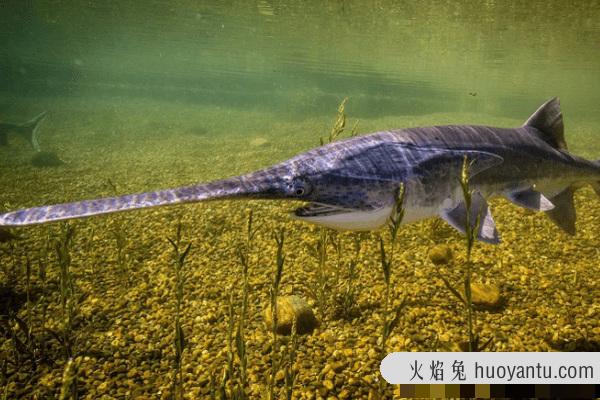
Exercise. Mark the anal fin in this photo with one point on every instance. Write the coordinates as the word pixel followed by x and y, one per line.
pixel 563 214
pixel 457 218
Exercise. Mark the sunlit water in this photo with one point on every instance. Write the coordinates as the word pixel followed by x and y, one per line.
pixel 300 57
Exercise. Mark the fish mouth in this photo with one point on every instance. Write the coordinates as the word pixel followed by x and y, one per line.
pixel 319 210
pixel 342 218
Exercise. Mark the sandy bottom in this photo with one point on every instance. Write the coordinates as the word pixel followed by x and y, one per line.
pixel 123 330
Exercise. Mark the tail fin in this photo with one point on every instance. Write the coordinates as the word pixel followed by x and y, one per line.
pixel 563 214
pixel 29 130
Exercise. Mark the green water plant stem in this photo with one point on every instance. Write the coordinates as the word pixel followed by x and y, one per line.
pixel 390 323
pixel 28 296
pixel 471 228
pixel 245 254
pixel 347 297
pixel 339 125
pixel 225 390
pixel 274 293
pixel 68 389
pixel 234 381
pixel 470 232
pixel 290 373
pixel 122 258
pixel 67 289
pixel 180 277
pixel 320 253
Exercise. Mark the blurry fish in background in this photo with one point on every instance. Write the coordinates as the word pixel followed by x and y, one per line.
pixel 28 130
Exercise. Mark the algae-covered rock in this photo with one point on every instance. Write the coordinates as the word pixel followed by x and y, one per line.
pixel 290 308
pixel 259 142
pixel 485 295
pixel 440 254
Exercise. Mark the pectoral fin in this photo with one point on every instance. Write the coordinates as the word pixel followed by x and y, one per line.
pixel 531 199
pixel 457 218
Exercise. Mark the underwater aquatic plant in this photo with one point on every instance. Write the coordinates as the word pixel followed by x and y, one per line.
pixel 43 258
pixel 340 124
pixel 323 290
pixel 244 254
pixel 235 374
pixel 68 389
pixel 279 238
pixel 24 349
pixel 386 258
pixel 347 292
pixel 70 303
pixel 68 299
pixel 122 258
pixel 22 343
pixel 180 277
pixel 471 229
pixel 229 370
pixel 319 290
pixel 289 372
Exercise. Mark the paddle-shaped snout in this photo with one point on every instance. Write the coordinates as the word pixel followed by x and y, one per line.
pixel 277 182
pixel 271 183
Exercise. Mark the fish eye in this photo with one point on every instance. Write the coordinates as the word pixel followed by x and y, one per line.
pixel 299 187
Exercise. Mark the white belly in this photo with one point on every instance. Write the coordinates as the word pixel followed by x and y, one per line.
pixel 352 220
pixel 368 220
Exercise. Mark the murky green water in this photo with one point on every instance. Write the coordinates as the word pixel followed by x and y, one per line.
pixel 157 94
pixel 300 57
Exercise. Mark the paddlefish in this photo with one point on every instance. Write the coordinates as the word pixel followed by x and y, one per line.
pixel 352 184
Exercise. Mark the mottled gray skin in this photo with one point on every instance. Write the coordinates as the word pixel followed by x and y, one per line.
pixel 363 174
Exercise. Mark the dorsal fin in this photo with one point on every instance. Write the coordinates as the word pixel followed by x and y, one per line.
pixel 548 120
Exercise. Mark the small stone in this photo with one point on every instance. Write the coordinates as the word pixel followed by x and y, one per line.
pixel 259 142
pixel 485 295
pixel 338 366
pixel 290 309
pixel 279 376
pixel 373 395
pixel 440 254
pixel 328 384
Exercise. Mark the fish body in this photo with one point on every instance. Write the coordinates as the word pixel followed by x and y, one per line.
pixel 28 130
pixel 352 184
